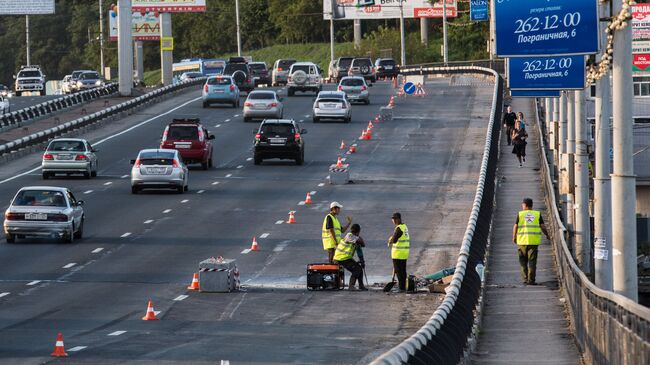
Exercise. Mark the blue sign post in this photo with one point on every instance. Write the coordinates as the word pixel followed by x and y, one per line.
pixel 535 93
pixel 546 27
pixel 409 88
pixel 478 10
pixel 547 73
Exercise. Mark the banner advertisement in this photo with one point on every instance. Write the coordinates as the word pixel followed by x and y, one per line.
pixel 169 6
pixel 478 10
pixel 641 63
pixel 547 73
pixel 145 27
pixel 22 7
pixel 387 9
pixel 535 93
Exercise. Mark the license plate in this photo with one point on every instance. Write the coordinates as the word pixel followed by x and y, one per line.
pixel 259 106
pixel 64 157
pixel 183 145
pixel 388 67
pixel 36 216
pixel 329 106
pixel 156 170
pixel 277 140
pixel 217 91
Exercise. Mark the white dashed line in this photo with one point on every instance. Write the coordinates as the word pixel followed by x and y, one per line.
pixel 279 247
pixel 229 175
pixel 236 115
pixel 148 221
pixel 4 294
pixel 313 192
pixel 301 120
pixel 116 333
pixel 69 265
pixel 249 159
pixel 227 120
pixel 184 201
pixel 31 283
pixel 108 183
pixel 343 159
pixel 321 184
pixel 217 126
pixel 88 191
pixel 180 297
pixel 264 235
pixel 156 312
pixel 200 192
pixel 306 115
pixel 127 234
pixel 97 250
pixel 240 166
pixel 246 251
pixel 301 203
pixel 215 183
pixel 166 211
pixel 279 222
pixel 77 348
pixel 124 176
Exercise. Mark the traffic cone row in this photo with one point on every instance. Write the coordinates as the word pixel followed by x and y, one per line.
pixel 342 145
pixel 308 199
pixel 292 217
pixel 366 135
pixel 339 162
pixel 353 148
pixel 370 125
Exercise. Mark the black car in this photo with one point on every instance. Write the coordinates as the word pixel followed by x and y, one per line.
pixel 237 67
pixel 386 67
pixel 341 67
pixel 279 138
pixel 260 73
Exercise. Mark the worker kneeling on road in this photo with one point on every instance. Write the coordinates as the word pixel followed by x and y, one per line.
pixel 344 255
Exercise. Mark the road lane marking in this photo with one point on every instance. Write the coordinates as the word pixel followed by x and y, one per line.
pixel 301 202
pixel 279 247
pixel 156 313
pixel 279 222
pixel 306 115
pixel 124 176
pixel 313 192
pixel 184 201
pixel 227 120
pixel 31 283
pixel 217 126
pixel 229 175
pixel 180 297
pixel 88 191
pixel 301 120
pixel 5 293
pixel 236 115
pixel 249 159
pixel 321 184
pixel 264 235
pixel 69 265
pixel 240 166
pixel 127 234
pixel 166 211
pixel 148 221
pixel 200 192
pixel 77 348
pixel 117 333
pixel 97 250
pixel 108 183
pixel 215 183
pixel 246 251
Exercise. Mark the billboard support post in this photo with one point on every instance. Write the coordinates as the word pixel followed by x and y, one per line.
pixel 238 28
pixel 444 32
pixel 357 33
pixel 139 60
pixel 27 39
pixel 166 56
pixel 124 47
pixel 101 37
pixel 424 31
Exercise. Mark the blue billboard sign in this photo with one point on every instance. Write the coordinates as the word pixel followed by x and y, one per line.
pixel 546 27
pixel 547 73
pixel 535 93
pixel 478 10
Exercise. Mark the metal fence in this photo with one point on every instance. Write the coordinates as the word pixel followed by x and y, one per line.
pixel 496 65
pixel 444 338
pixel 609 328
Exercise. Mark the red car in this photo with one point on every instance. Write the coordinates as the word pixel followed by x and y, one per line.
pixel 191 140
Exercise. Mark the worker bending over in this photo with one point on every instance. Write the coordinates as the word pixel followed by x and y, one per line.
pixel 344 256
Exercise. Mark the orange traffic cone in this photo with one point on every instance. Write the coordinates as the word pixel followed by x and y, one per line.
pixel 342 145
pixel 339 163
pixel 254 246
pixel 353 148
pixel 367 135
pixel 370 126
pixel 150 316
pixel 195 282
pixel 363 134
pixel 59 349
pixel 292 218
pixel 377 119
pixel 308 199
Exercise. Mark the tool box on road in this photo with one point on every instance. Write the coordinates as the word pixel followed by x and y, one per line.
pixel 218 275
pixel 325 277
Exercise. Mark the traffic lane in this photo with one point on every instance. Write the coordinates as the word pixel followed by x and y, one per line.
pixel 21 102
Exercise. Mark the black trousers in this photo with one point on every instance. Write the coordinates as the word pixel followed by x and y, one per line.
pixel 355 269
pixel 400 271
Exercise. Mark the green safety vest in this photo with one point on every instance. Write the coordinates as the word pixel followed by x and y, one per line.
pixel 528 230
pixel 328 241
pixel 401 248
pixel 345 250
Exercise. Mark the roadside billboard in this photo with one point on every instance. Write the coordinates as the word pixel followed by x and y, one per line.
pixel 169 6
pixel 387 9
pixel 478 10
pixel 546 73
pixel 641 63
pixel 145 27
pixel 535 93
pixel 22 7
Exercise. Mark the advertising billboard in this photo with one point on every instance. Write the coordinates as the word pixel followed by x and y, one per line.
pixel 145 27
pixel 22 7
pixel 535 93
pixel 478 10
pixel 169 6
pixel 387 9
pixel 641 63
pixel 547 73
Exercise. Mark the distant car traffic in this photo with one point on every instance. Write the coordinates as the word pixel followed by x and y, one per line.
pixel 260 73
pixel 5 106
pixel 362 67
pixel 5 91
pixel 186 76
pixel 191 139
pixel 237 67
pixel 30 78
pixel 75 77
pixel 44 211
pixel 262 104
pixel 69 156
pixel 281 71
pixel 386 67
pixel 279 138
pixel 332 105
pixel 67 85
pixel 220 90
pixel 304 76
pixel 355 89
pixel 159 169
pixel 89 80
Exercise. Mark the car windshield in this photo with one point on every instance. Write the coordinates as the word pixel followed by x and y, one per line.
pixel 219 81
pixel 40 198
pixel 387 62
pixel 329 100
pixel 156 155
pixel 277 129
pixel 89 76
pixel 232 67
pixel 185 132
pixel 304 68
pixel 257 66
pixel 352 82
pixel 29 74
pixel 345 62
pixel 285 64
pixel 261 96
pixel 157 161
pixel 66 146
pixel 362 62
pixel 330 96
pixel 75 74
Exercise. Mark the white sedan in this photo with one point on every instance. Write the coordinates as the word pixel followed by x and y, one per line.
pixel 332 105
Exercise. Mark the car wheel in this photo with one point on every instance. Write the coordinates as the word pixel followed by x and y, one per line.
pixel 186 188
pixel 301 158
pixel 367 101
pixel 210 163
pixel 205 104
pixel 18 93
pixel 134 190
pixel 69 237
pixel 348 119
pixel 290 92
pixel 180 189
pixel 41 93
pixel 247 119
pixel 234 104
pixel 10 238
pixel 87 175
pixel 80 232
pixel 93 173
pixel 257 159
pixel 204 165
pixel 46 175
pixel 315 120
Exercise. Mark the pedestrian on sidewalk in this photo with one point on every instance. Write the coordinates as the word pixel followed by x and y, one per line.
pixel 344 256
pixel 332 230
pixel 527 235
pixel 509 121
pixel 519 137
pixel 521 120
pixel 400 245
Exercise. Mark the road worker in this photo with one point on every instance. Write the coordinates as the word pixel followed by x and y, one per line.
pixel 400 245
pixel 527 235
pixel 344 256
pixel 332 230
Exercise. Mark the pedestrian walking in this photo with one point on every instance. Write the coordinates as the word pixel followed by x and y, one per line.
pixel 344 256
pixel 400 245
pixel 509 122
pixel 332 230
pixel 521 120
pixel 527 235
pixel 519 137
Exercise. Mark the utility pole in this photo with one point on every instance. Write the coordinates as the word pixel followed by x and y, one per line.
pixel 571 148
pixel 445 49
pixel 332 37
pixel 238 28
pixel 548 114
pixel 27 39
pixel 602 181
pixel 357 33
pixel 564 172
pixel 424 31
pixel 401 34
pixel 582 227
pixel 124 46
pixel 166 57
pixel 624 243
pixel 101 37
pixel 493 27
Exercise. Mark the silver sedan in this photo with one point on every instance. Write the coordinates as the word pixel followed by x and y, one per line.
pixel 159 169
pixel 332 105
pixel 69 156
pixel 263 104
pixel 44 211
pixel 355 89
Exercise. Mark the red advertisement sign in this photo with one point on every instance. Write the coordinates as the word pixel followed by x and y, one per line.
pixel 641 62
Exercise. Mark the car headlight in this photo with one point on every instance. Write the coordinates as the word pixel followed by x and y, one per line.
pixel 79 83
pixel 98 82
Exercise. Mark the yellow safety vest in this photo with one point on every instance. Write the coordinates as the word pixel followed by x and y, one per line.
pixel 328 241
pixel 345 250
pixel 528 230
pixel 401 248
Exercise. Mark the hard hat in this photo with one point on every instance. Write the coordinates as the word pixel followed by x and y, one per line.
pixel 335 205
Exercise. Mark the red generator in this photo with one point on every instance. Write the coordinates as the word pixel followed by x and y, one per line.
pixel 325 277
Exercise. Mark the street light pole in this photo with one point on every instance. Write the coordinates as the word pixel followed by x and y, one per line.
pixel 445 51
pixel 582 226
pixel 101 37
pixel 238 28
pixel 27 39
pixel 401 33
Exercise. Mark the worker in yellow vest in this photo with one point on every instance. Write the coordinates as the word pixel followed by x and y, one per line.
pixel 527 235
pixel 332 230
pixel 400 244
pixel 344 256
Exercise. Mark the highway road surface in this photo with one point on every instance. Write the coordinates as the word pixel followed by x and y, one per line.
pixel 136 248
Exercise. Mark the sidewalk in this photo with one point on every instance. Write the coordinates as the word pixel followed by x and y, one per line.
pixel 521 324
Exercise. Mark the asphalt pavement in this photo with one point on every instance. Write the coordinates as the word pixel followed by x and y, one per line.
pixel 144 247
pixel 20 102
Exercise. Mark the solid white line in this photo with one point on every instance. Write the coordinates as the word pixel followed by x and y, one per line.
pixel 180 297
pixel 5 293
pixel 184 201
pixel 107 183
pixel 321 184
pixel 97 250
pixel 246 251
pixel 166 211
pixel 229 175
pixel 249 159
pixel 215 183
pixel 69 265
pixel 264 235
pixel 279 222
pixel 200 192
pixel 33 282
pixel 240 166
pixel 116 333
pixel 127 234
pixel 77 348
pixel 124 176
pixel 148 221
pixel 88 191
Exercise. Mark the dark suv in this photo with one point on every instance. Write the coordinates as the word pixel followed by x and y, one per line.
pixel 386 67
pixel 191 140
pixel 237 67
pixel 279 138
pixel 342 67
pixel 260 73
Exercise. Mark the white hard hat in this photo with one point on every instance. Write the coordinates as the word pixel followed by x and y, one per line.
pixel 335 205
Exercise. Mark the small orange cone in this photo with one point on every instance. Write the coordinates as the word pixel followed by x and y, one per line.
pixel 59 349
pixel 363 134
pixel 195 282
pixel 367 135
pixel 150 316
pixel 377 119
pixel 254 246
pixel 353 148
pixel 292 218
pixel 342 145
pixel 370 126
pixel 339 163
pixel 308 199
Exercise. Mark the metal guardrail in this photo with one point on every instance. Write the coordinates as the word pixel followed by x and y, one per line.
pixel 92 118
pixel 609 328
pixel 444 338
pixel 51 106
pixel 496 65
